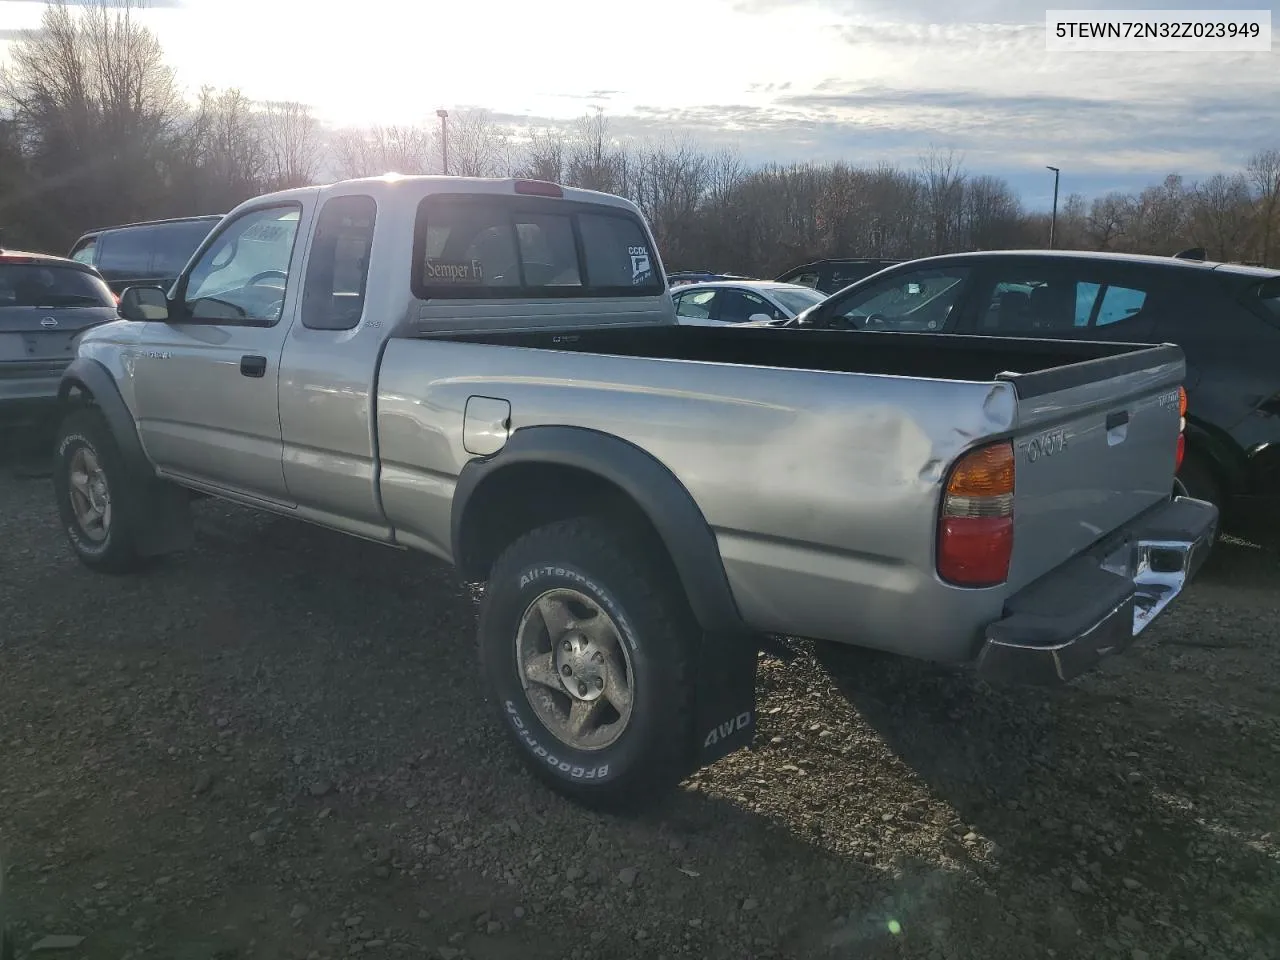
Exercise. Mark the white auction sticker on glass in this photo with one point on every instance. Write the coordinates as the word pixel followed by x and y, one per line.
pixel 1159 31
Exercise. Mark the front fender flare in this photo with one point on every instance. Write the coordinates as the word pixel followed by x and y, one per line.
pixel 94 378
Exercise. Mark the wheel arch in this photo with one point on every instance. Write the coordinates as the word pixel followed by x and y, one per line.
pixel 1219 453
pixel 88 381
pixel 544 473
pixel 167 526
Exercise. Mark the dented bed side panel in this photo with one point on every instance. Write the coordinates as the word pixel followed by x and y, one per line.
pixel 821 488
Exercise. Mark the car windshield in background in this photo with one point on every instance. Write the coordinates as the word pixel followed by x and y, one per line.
pixel 43 285
pixel 798 301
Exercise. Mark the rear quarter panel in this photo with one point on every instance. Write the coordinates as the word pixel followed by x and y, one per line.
pixel 821 488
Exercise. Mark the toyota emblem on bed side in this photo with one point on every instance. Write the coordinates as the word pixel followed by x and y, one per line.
pixel 49 322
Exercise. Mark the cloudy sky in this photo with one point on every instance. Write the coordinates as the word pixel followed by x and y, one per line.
pixel 863 80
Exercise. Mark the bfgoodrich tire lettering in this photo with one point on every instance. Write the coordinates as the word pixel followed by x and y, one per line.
pixel 84 437
pixel 583 557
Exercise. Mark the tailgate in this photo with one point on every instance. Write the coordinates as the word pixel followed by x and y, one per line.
pixel 1095 445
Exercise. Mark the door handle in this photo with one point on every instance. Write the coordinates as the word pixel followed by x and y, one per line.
pixel 253 366
pixel 1117 427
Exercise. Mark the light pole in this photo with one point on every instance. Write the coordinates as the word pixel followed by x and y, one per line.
pixel 444 139
pixel 1053 219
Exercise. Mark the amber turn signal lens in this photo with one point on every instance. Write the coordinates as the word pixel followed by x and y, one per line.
pixel 985 472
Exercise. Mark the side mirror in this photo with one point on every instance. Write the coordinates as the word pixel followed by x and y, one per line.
pixel 144 304
pixel 759 318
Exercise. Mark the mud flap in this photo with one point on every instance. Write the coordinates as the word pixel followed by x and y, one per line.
pixel 725 708
pixel 168 527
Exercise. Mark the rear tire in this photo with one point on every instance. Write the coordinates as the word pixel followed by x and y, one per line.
pixel 569 618
pixel 96 499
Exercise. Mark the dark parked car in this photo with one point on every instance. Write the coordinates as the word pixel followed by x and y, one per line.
pixel 44 302
pixel 154 251
pixel 828 276
pixel 1226 318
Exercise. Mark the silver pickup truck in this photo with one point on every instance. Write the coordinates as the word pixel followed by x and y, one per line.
pixel 490 371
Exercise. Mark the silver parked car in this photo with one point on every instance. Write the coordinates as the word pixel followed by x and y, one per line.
pixel 44 302
pixel 725 302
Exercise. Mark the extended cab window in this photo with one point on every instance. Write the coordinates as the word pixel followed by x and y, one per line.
pixel 338 268
pixel 243 274
pixel 475 247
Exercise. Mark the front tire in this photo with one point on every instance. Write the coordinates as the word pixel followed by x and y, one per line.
pixel 585 647
pixel 92 486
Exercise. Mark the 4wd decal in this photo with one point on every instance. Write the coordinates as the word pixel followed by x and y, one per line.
pixel 727 729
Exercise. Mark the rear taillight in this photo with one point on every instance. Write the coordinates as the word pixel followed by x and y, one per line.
pixel 975 531
pixel 1182 426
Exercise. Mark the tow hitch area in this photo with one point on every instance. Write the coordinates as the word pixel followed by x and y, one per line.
pixel 725 709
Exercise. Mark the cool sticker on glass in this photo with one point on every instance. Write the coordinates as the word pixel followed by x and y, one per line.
pixel 640 265
pixel 454 271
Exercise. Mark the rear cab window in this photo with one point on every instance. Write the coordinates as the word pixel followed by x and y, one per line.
pixel 483 246
pixel 51 285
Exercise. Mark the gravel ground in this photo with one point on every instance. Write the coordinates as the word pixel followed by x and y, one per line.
pixel 275 746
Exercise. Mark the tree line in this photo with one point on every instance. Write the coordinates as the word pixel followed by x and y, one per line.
pixel 94 130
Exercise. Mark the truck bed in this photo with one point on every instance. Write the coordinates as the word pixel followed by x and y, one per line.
pixel 1035 367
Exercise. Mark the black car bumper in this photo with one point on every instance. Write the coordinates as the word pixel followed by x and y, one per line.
pixel 1097 603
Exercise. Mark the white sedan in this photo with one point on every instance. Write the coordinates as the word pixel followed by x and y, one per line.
pixel 721 303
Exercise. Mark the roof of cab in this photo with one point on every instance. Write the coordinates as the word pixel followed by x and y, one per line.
pixel 421 186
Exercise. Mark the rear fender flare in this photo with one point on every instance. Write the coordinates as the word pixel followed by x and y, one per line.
pixel 653 488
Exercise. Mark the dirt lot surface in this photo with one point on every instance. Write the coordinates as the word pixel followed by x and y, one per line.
pixel 274 746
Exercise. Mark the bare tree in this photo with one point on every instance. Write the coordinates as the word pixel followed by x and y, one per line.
pixel 379 150
pixel 545 155
pixel 1109 220
pixel 1263 171
pixel 92 106
pixel 595 161
pixel 943 184
pixel 1222 216
pixel 291 138
pixel 992 213
pixel 478 147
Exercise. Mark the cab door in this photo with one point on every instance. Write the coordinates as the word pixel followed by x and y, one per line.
pixel 207 380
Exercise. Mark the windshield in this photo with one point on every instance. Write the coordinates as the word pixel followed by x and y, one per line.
pixel 50 285
pixel 797 301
